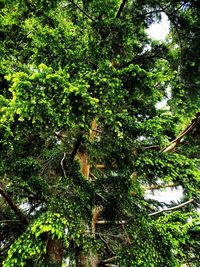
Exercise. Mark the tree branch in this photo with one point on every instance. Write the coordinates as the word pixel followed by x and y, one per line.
pixel 62 164
pixel 151 214
pixel 110 259
pixel 173 208
pixel 22 217
pixel 4 248
pixel 87 15
pixel 111 222
pixel 121 8
pixel 76 147
pixel 9 221
pixel 177 141
pixel 153 147
pixel 159 186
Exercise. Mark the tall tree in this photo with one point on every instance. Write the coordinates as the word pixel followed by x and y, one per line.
pixel 82 138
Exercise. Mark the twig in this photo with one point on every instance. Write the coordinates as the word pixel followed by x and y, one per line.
pixel 4 248
pixel 98 194
pixel 108 247
pixel 107 234
pixel 62 165
pixel 153 147
pixel 97 131
pixel 9 221
pixel 110 259
pixel 173 208
pixel 87 15
pixel 110 222
pixel 159 186
pixel 22 217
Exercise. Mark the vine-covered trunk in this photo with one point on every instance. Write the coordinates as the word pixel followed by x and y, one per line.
pixel 54 253
pixel 89 260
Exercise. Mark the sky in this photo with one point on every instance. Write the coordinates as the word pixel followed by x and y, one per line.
pixel 159 31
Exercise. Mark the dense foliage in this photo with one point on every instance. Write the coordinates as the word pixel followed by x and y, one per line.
pixel 82 137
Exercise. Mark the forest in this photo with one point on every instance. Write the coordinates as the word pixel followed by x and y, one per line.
pixel 85 144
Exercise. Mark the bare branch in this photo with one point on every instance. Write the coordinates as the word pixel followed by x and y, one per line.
pixel 154 147
pixel 62 164
pixel 101 196
pixel 22 217
pixel 87 15
pixel 110 259
pixel 151 214
pixel 97 131
pixel 159 186
pixel 100 166
pixel 178 139
pixel 173 208
pixel 110 222
pixel 4 248
pixel 9 221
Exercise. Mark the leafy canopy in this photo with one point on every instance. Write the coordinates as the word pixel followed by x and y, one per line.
pixel 80 87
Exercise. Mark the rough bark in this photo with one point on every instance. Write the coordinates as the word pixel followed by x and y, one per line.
pixel 89 260
pixel 54 254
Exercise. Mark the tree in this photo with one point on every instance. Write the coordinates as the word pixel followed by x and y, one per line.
pixel 81 137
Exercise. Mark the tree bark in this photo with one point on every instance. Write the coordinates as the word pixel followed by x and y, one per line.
pixel 90 259
pixel 81 258
pixel 54 254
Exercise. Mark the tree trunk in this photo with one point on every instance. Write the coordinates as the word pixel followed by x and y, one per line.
pixel 81 259
pixel 54 254
pixel 89 259
pixel 86 260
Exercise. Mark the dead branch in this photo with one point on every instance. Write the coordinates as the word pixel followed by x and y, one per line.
pixel 62 164
pixel 159 186
pixel 178 139
pixel 173 208
pixel 110 259
pixel 153 147
pixel 110 222
pixel 9 221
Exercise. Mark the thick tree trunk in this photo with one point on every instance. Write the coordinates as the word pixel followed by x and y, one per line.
pixel 54 253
